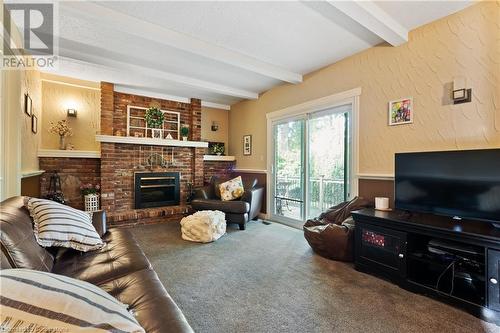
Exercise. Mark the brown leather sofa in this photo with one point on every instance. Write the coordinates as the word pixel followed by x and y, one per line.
pixel 237 211
pixel 120 267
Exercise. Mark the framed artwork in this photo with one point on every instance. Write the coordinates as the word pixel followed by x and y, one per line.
pixel 401 111
pixel 28 105
pixel 247 145
pixel 34 124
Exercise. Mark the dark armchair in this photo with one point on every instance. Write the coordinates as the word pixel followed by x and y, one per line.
pixel 237 211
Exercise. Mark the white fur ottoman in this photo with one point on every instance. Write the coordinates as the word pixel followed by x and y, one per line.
pixel 203 226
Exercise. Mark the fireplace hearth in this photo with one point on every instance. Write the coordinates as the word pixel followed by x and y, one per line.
pixel 156 189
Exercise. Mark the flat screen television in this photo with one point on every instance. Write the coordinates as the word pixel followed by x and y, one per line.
pixel 461 184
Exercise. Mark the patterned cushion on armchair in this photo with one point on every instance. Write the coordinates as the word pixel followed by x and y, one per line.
pixel 232 189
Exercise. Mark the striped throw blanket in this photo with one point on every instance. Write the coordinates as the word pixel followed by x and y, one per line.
pixel 34 301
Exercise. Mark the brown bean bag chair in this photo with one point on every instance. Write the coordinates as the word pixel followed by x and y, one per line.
pixel 339 213
pixel 332 234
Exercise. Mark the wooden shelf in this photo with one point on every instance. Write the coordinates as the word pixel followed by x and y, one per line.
pixel 69 153
pixel 219 158
pixel 150 141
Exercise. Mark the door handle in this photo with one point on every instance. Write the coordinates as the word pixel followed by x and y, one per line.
pixel 401 256
pixel 493 280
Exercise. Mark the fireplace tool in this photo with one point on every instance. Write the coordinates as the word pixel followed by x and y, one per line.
pixel 55 191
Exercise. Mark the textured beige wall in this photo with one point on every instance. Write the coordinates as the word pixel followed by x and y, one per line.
pixel 19 144
pixel 57 98
pixel 30 142
pixel 208 115
pixel 464 44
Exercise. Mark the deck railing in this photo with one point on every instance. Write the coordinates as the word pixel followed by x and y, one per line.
pixel 323 192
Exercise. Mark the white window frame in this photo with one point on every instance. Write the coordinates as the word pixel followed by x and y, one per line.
pixel 146 128
pixel 347 97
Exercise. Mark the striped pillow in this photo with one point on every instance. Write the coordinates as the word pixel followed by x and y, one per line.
pixel 34 301
pixel 59 225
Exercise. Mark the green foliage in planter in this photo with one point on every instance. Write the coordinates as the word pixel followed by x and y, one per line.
pixel 89 189
pixel 154 117
pixel 184 131
pixel 218 148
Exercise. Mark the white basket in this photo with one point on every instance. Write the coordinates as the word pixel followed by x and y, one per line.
pixel 91 202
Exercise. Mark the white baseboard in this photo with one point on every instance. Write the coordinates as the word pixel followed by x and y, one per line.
pixel 251 170
pixel 376 176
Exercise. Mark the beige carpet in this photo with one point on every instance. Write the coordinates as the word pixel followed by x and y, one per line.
pixel 267 279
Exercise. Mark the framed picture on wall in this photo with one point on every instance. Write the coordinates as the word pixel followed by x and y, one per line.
pixel 28 105
pixel 34 124
pixel 401 111
pixel 247 145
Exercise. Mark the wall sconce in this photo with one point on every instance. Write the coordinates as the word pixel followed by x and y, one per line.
pixel 460 92
pixel 72 113
pixel 215 126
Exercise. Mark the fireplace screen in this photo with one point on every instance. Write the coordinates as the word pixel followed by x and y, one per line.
pixel 156 189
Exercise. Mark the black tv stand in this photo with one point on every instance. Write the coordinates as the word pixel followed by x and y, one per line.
pixel 454 261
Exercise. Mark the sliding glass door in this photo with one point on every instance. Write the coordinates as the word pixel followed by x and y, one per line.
pixel 328 160
pixel 289 169
pixel 311 164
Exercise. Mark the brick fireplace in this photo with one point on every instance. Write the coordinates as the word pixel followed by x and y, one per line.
pixel 121 161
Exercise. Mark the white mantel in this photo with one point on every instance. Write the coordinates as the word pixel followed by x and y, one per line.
pixel 32 173
pixel 69 153
pixel 217 158
pixel 150 141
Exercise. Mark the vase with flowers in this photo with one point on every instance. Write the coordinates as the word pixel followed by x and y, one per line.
pixel 62 129
pixel 90 194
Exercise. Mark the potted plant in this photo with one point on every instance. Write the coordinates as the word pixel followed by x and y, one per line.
pixel 218 149
pixel 90 193
pixel 62 129
pixel 154 119
pixel 184 132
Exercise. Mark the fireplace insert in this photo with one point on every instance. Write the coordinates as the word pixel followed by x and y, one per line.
pixel 156 189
